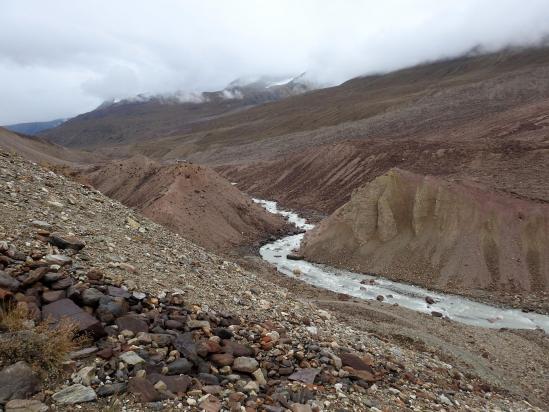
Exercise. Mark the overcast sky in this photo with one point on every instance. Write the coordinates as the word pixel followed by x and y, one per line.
pixel 61 58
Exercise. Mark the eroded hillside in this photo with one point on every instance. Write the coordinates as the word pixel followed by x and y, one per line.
pixel 455 236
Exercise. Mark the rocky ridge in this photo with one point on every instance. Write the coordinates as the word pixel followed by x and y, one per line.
pixel 176 327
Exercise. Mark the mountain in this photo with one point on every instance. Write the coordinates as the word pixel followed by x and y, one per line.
pixel 147 116
pixel 34 128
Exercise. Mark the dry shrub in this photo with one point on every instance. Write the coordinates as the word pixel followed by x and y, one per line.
pixel 44 346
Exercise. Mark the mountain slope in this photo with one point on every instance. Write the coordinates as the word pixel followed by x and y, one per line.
pixel 189 199
pixel 43 151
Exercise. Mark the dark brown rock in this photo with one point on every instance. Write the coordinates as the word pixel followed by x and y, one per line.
pixel 66 241
pixel 143 390
pixel 222 359
pixel 8 282
pixel 132 323
pixel 176 384
pixel 348 359
pixel 66 308
pixel 63 283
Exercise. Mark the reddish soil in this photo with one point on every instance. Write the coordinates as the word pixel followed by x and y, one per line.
pixel 192 200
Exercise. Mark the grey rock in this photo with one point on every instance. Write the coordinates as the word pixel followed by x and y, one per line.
pixel 111 389
pixel 245 364
pixel 75 394
pixel 179 367
pixel 18 381
pixel 25 405
pixel 91 296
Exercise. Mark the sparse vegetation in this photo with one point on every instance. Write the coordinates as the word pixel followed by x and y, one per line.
pixel 42 345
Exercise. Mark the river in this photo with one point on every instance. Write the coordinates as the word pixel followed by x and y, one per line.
pixel 363 286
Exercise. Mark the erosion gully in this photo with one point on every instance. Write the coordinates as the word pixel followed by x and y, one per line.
pixel 364 286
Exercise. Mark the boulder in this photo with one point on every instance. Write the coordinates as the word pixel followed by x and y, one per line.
pixel 18 381
pixel 67 309
pixel 132 323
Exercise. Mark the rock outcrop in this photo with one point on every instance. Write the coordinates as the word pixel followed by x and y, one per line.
pixel 437 233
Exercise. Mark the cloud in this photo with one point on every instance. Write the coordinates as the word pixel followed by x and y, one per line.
pixel 61 57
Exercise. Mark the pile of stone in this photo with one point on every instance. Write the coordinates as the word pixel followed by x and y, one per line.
pixel 160 348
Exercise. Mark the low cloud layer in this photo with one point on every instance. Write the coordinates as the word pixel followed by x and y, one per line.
pixel 59 58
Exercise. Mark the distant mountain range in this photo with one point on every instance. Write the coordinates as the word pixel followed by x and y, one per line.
pixel 33 128
pixel 130 120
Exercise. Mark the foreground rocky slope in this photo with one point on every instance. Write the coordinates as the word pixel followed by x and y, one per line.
pixel 190 199
pixel 205 334
pixel 446 235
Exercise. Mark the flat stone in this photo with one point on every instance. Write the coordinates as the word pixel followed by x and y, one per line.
pixel 34 276
pixel 60 260
pixel 143 390
pixel 25 405
pixel 245 364
pixel 132 323
pixel 237 349
pixel 348 359
pixel 83 353
pixel 298 407
pixel 175 384
pixel 66 308
pixel 75 394
pixel 66 241
pixel 63 283
pixel 51 277
pixel 18 381
pixel 131 358
pixel 51 296
pixel 179 366
pixel 117 292
pixel 306 375
pixel 112 389
pixel 41 224
pixel 197 324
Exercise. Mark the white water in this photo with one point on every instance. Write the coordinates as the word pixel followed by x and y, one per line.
pixel 412 297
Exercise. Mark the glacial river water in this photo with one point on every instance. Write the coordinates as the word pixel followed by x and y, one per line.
pixel 412 297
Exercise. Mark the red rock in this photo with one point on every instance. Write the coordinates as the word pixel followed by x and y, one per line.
pixel 144 390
